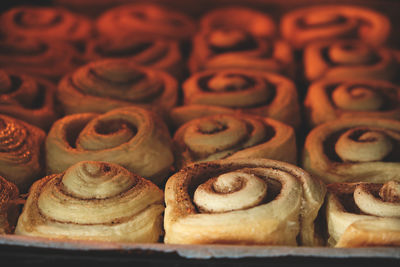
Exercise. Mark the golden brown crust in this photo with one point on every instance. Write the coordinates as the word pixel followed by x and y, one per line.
pixel 8 194
pixel 289 209
pixel 329 22
pixel 133 137
pixel 254 92
pixel 45 23
pixel 354 150
pixel 104 85
pixel 21 146
pixel 94 201
pixel 349 59
pixel 329 99
pixel 29 99
pixel 233 136
pixel 361 214
pixel 145 21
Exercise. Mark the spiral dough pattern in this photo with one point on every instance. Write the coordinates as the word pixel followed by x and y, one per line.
pixel 132 137
pixel 364 214
pixel 254 92
pixel 242 201
pixel 309 24
pixel 45 23
pixel 28 99
pixel 349 59
pixel 233 136
pixel 354 150
pixel 94 201
pixel 21 147
pixel 104 85
pixel 330 99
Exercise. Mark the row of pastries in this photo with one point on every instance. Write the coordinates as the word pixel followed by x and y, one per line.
pixel 144 125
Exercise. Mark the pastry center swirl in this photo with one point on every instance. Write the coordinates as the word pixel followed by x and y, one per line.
pixel 230 191
pixel 384 202
pixel 357 98
pixel 351 53
pixel 363 145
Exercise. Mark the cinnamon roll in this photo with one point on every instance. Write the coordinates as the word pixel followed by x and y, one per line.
pixel 41 58
pixel 159 54
pixel 233 136
pixel 363 214
pixel 329 99
pixel 354 150
pixel 93 201
pixel 242 201
pixel 234 48
pixel 8 209
pixel 132 137
pixel 239 18
pixel 331 22
pixel 148 21
pixel 255 92
pixel 45 23
pixel 111 83
pixel 21 146
pixel 26 98
pixel 349 59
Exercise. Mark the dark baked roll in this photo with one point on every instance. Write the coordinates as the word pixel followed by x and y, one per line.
pixel 8 206
pixel 148 21
pixel 331 22
pixel 354 150
pixel 159 54
pixel 27 98
pixel 233 136
pixel 41 58
pixel 255 92
pixel 111 83
pixel 235 48
pixel 330 99
pixel 242 201
pixel 349 59
pixel 45 23
pixel 239 18
pixel 94 201
pixel 21 152
pixel 363 214
pixel 132 137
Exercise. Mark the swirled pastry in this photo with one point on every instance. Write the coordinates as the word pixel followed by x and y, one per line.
pixel 242 201
pixel 21 146
pixel 111 83
pixel 255 92
pixel 349 59
pixel 233 136
pixel 235 48
pixel 148 21
pixel 94 201
pixel 363 214
pixel 354 150
pixel 159 54
pixel 240 18
pixel 8 208
pixel 305 25
pixel 45 23
pixel 329 99
pixel 26 98
pixel 132 137
pixel 43 58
